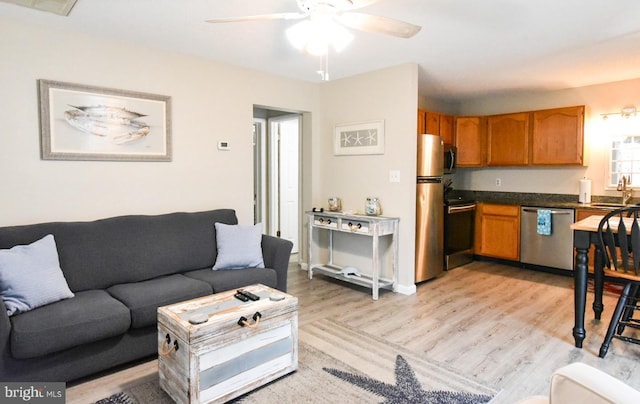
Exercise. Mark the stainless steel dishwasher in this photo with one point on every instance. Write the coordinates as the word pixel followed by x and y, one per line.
pixel 554 250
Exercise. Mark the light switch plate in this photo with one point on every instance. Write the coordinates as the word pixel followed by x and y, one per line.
pixel 394 176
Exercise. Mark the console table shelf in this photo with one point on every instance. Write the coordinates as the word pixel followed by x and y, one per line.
pixel 374 227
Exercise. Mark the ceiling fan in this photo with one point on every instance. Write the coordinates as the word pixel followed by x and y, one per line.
pixel 338 11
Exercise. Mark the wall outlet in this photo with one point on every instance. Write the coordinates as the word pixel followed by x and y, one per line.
pixel 394 176
pixel 498 182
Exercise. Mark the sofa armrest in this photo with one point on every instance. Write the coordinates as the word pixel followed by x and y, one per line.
pixel 276 253
pixel 580 383
pixel 5 331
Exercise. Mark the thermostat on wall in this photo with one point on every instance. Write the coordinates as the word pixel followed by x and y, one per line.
pixel 224 145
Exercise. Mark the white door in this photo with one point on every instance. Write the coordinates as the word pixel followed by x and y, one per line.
pixel 284 178
pixel 289 131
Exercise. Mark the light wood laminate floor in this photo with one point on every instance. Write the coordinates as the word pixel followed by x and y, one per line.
pixel 508 326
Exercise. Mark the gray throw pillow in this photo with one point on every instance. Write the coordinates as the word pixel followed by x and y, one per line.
pixel 238 246
pixel 30 276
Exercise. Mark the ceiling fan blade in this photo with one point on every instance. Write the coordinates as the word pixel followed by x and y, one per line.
pixel 263 17
pixel 360 4
pixel 374 23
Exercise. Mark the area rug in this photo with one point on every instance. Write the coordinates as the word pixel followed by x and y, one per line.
pixel 340 364
pixel 614 289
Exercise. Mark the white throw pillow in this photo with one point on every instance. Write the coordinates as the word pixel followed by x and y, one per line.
pixel 30 276
pixel 238 246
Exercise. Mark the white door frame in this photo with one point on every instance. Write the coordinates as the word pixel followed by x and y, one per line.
pixel 268 177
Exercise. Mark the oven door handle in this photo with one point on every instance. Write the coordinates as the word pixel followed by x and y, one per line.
pixel 553 212
pixel 460 209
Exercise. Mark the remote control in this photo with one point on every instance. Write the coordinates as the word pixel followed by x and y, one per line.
pixel 250 295
pixel 240 296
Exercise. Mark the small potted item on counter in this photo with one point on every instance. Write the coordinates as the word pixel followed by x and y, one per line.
pixel 335 204
pixel 372 206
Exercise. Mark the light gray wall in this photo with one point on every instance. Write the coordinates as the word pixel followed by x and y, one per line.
pixel 391 95
pixel 211 102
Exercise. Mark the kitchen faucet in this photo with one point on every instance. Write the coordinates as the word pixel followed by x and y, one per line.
pixel 623 184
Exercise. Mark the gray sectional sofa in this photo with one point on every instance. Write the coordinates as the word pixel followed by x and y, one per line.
pixel 120 270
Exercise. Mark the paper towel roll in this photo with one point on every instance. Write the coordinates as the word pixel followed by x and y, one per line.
pixel 584 196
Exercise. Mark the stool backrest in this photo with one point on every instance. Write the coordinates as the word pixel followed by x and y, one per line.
pixel 619 239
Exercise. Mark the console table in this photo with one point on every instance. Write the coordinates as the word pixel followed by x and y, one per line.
pixel 350 227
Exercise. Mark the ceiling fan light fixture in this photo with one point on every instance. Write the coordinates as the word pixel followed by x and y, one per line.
pixel 314 36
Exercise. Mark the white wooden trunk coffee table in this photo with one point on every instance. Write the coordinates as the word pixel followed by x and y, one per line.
pixel 241 346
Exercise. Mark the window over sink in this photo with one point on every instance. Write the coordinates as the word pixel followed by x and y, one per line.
pixel 624 155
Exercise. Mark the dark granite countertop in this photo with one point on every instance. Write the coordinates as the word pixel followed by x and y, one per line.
pixel 535 199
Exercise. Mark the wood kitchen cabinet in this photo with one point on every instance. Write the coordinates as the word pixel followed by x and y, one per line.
pixel 436 123
pixel 470 141
pixel 422 121
pixel 551 137
pixel 446 128
pixel 428 122
pixel 508 139
pixel 557 136
pixel 497 231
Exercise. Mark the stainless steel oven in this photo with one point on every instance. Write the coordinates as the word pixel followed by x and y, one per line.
pixel 459 220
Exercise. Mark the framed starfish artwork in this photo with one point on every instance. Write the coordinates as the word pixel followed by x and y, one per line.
pixel 359 138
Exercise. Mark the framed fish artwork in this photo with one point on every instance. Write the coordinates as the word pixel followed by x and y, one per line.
pixel 80 122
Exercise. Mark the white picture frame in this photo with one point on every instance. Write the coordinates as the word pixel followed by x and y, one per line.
pixel 359 138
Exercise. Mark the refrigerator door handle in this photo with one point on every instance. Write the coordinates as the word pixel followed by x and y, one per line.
pixel 429 180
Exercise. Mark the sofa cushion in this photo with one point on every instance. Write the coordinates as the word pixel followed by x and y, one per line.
pixel 90 316
pixel 238 246
pixel 144 298
pixel 30 276
pixel 227 279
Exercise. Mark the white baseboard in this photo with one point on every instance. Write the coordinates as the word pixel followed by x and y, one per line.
pixel 405 289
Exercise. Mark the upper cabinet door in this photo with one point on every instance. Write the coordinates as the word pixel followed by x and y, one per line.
pixel 433 123
pixel 428 122
pixel 422 121
pixel 558 136
pixel 470 141
pixel 508 139
pixel 446 128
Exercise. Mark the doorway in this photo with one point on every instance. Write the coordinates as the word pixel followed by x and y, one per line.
pixel 277 172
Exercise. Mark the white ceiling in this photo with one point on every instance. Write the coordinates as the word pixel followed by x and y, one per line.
pixel 466 48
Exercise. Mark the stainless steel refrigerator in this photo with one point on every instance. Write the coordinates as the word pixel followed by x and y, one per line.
pixel 429 208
